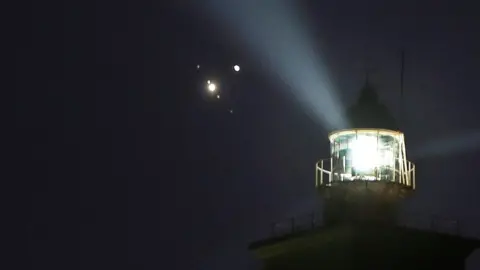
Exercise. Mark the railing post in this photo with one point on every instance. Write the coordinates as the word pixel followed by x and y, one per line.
pixel 413 181
pixel 321 172
pixel 394 169
pixel 331 171
pixel 409 173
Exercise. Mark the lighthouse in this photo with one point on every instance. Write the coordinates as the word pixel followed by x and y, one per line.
pixel 367 172
pixel 362 181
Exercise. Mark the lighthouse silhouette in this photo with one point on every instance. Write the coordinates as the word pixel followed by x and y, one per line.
pixel 361 183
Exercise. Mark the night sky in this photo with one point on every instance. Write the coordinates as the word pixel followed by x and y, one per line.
pixel 124 163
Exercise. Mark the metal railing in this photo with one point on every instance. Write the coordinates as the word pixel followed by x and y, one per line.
pixel 434 223
pixel 297 224
pixel 325 173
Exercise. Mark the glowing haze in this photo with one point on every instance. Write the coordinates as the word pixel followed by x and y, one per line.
pixel 274 33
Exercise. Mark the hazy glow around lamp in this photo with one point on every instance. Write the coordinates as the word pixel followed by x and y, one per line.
pixel 212 87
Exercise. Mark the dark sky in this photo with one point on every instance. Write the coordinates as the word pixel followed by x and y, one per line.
pixel 125 166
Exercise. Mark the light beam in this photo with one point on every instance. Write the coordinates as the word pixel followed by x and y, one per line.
pixel 274 33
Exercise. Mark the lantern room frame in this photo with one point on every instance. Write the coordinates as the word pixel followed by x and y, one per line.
pixel 337 169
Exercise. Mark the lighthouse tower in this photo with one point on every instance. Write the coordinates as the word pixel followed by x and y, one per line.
pixel 362 181
pixel 367 171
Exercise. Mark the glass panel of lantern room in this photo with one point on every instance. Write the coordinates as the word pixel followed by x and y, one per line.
pixel 394 146
pixel 348 155
pixel 340 144
pixel 341 150
pixel 396 157
pixel 335 147
pixel 334 159
pixel 386 157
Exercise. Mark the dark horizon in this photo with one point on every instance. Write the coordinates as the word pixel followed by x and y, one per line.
pixel 124 165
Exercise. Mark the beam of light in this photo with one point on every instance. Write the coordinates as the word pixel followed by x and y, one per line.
pixel 236 68
pixel 273 32
pixel 450 145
